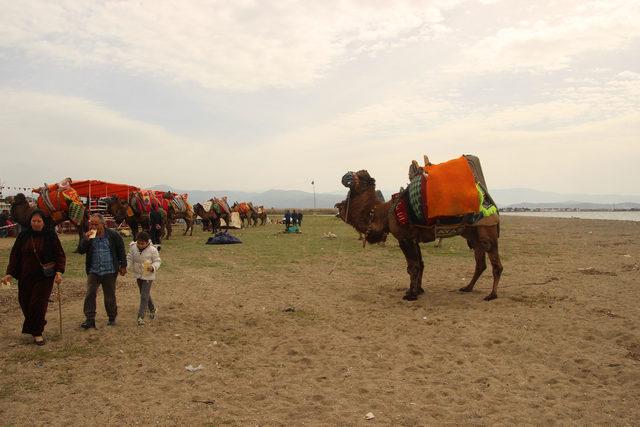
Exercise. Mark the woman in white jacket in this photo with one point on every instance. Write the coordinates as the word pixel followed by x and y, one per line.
pixel 143 260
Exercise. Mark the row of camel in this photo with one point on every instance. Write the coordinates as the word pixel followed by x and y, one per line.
pixel 221 211
pixel 129 211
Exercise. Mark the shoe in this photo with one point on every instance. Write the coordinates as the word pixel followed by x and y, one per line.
pixel 39 342
pixel 111 322
pixel 88 324
pixel 140 321
pixel 152 314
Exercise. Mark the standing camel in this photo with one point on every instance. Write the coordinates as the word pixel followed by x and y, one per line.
pixel 129 211
pixel 374 219
pixel 179 208
pixel 21 210
pixel 207 219
pixel 221 211
pixel 245 211
pixel 262 215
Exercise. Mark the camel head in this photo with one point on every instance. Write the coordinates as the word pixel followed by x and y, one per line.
pixel 198 208
pixel 342 210
pixel 118 208
pixel 358 181
pixel 20 209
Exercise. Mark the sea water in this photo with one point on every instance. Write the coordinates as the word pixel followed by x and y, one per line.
pixel 614 215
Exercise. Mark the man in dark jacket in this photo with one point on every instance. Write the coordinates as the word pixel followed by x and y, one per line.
pixel 300 218
pixel 287 219
pixel 105 258
pixel 155 225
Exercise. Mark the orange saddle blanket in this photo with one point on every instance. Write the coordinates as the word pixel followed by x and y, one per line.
pixel 451 189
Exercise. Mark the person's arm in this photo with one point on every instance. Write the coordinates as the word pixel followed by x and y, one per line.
pixel 156 260
pixel 59 255
pixel 83 246
pixel 15 259
pixel 13 269
pixel 122 257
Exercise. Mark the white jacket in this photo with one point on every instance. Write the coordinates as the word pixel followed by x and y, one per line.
pixel 136 259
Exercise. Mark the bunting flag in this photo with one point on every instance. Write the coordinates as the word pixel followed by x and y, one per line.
pixel 7 187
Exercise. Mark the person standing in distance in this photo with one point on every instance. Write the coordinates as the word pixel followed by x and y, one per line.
pixel 105 258
pixel 155 225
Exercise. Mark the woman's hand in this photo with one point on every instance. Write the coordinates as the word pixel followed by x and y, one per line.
pixel 58 278
pixel 6 279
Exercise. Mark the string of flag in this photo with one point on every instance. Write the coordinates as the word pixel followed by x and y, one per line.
pixel 7 187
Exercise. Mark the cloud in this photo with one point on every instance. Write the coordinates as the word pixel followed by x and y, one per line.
pixel 552 41
pixel 218 45
pixel 559 142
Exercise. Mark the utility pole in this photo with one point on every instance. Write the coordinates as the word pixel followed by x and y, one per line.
pixel 313 183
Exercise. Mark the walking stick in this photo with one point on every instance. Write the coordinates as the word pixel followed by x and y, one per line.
pixel 59 307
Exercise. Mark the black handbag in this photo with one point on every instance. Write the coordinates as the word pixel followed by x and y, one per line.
pixel 49 268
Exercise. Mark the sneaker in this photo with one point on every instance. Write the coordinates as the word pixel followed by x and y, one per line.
pixel 140 321
pixel 88 324
pixel 152 314
pixel 111 322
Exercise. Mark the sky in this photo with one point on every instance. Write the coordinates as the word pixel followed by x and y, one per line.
pixel 258 95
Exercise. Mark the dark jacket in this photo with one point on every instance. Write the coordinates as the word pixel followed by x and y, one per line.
pixel 24 265
pixel 155 217
pixel 116 244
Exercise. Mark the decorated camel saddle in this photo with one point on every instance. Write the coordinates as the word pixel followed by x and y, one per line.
pixel 61 202
pixel 447 196
pixel 244 208
pixel 220 206
pixel 143 201
pixel 179 202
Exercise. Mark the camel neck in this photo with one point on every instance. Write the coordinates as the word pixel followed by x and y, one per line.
pixel 360 207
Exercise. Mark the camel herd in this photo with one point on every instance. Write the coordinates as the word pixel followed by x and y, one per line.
pixel 134 211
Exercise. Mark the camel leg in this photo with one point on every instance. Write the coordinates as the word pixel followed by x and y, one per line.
pixel 481 265
pixel 411 252
pixel 496 266
pixel 169 229
pixel 420 290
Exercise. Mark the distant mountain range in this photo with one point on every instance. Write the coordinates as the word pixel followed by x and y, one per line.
pixel 282 199
pixel 512 197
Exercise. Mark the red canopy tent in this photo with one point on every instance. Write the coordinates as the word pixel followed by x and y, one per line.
pixel 94 189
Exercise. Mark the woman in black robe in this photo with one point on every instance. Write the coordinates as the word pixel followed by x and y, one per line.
pixel 37 260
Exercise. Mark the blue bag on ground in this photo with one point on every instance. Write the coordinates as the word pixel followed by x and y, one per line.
pixel 222 238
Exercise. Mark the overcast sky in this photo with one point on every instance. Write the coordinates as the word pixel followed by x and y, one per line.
pixel 258 95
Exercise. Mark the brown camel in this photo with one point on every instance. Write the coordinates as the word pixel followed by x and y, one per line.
pixel 122 210
pixel 374 218
pixel 21 210
pixel 262 214
pixel 221 211
pixel 200 211
pixel 179 208
pixel 246 212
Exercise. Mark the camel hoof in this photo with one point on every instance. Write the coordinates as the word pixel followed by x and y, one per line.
pixel 410 297
pixel 490 297
pixel 420 291
pixel 465 289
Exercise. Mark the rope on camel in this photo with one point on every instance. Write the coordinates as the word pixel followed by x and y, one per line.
pixel 346 217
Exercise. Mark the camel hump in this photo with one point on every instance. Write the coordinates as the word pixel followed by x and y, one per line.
pixel 414 170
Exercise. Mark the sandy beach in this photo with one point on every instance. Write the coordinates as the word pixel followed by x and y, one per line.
pixel 301 330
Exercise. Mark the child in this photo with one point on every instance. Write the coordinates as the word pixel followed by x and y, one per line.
pixel 144 260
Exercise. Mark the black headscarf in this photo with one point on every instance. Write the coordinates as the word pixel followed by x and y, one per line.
pixel 48 233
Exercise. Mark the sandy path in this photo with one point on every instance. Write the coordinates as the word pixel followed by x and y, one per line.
pixel 560 345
